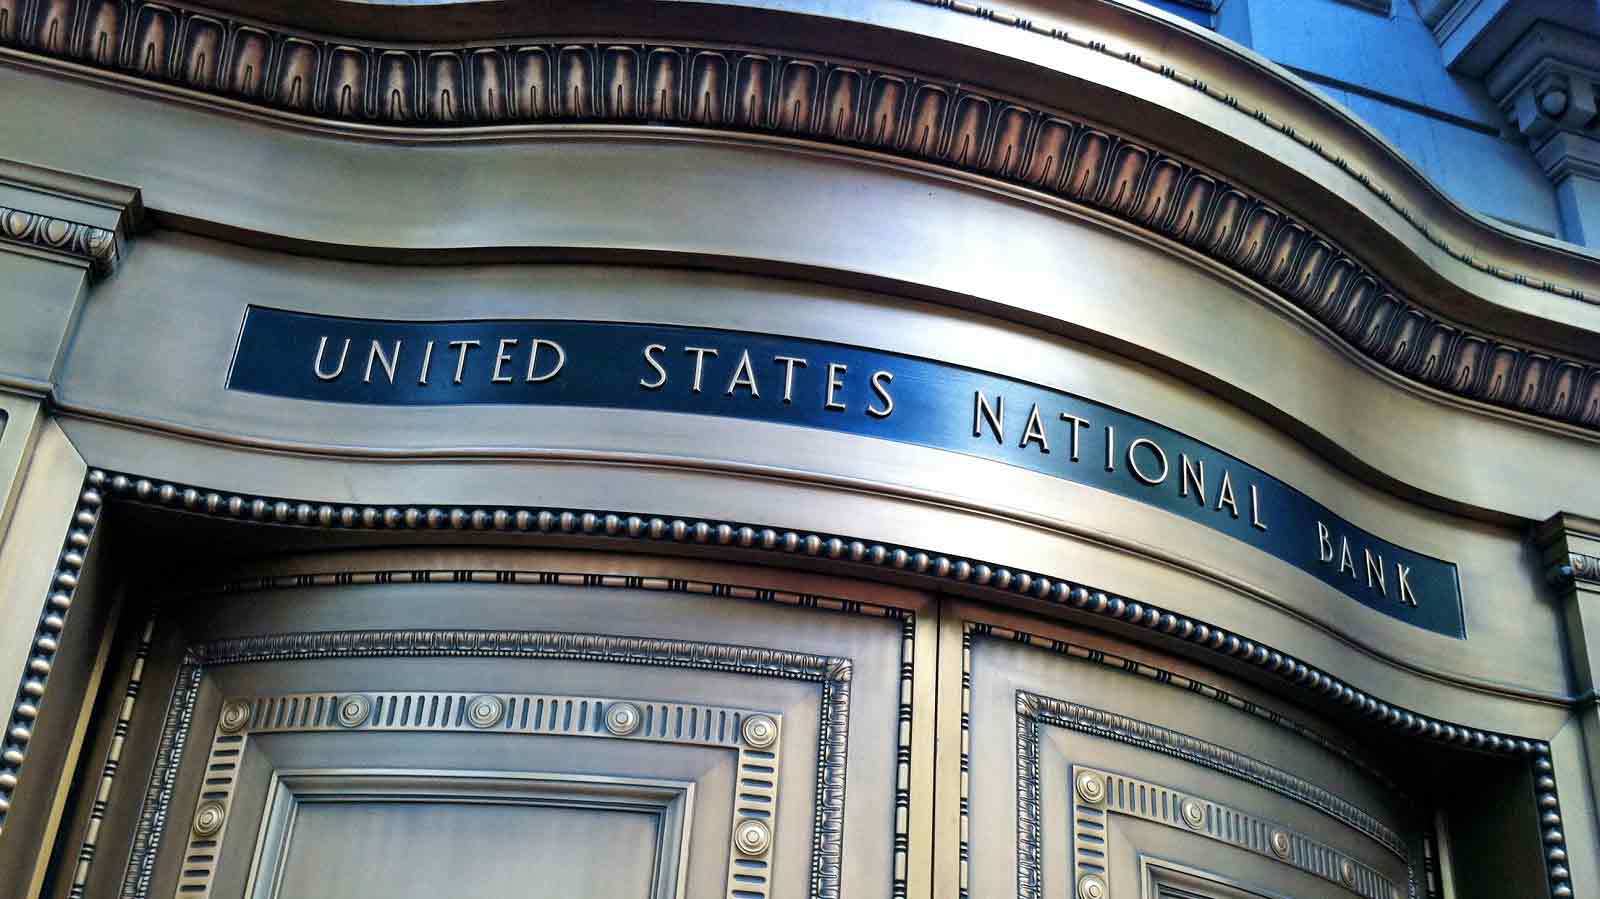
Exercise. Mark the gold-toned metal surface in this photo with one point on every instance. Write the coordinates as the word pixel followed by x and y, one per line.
pixel 978 573
pixel 1220 822
pixel 586 646
pixel 538 714
pixel 1370 828
pixel 756 736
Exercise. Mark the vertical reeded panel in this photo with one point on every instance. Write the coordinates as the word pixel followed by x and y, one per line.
pixel 752 83
pixel 840 103
pixel 446 88
pixel 346 92
pixel 397 86
pixel 154 30
pixel 247 64
pixel 103 39
pixel 797 96
pixel 489 84
pixel 926 122
pixel 202 51
pixel 663 84
pixel 708 88
pixel 531 70
pixel 575 89
pixel 619 83
pixel 296 73
pixel 1048 160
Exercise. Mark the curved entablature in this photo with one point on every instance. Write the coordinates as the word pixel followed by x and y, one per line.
pixel 929 119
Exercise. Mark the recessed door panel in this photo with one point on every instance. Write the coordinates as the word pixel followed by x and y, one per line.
pixel 379 732
pixel 1096 771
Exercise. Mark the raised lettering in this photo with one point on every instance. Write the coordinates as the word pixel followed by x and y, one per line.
pixel 1375 567
pixel 743 375
pixel 501 357
pixel 427 360
pixel 982 412
pixel 1192 474
pixel 1077 423
pixel 699 353
pixel 533 360
pixel 1402 574
pixel 316 365
pixel 376 354
pixel 650 359
pixel 1225 494
pixel 789 363
pixel 1324 544
pixel 1133 461
pixel 1111 448
pixel 1345 560
pixel 835 369
pixel 462 346
pixel 1034 432
pixel 880 386
pixel 1255 509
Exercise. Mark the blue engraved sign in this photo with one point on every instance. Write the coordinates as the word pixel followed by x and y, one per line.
pixel 837 387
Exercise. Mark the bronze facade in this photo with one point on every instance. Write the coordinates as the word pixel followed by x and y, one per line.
pixel 770 450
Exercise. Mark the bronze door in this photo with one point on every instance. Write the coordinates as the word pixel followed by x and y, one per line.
pixel 1096 769
pixel 425 723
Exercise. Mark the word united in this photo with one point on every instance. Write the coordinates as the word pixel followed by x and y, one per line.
pixel 836 387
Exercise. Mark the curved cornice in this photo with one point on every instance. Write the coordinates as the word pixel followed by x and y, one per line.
pixel 932 120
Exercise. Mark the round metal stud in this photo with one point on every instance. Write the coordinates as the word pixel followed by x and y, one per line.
pixel 235 715
pixel 752 837
pixel 1280 843
pixel 623 718
pixel 1193 814
pixel 760 731
pixel 1347 872
pixel 1090 886
pixel 354 710
pixel 208 819
pixel 1091 788
pixel 485 711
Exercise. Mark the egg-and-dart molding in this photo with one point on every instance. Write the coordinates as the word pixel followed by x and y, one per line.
pixel 623 527
pixel 834 101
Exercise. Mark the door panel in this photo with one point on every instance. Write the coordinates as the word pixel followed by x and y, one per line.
pixel 421 723
pixel 341 833
pixel 1096 770
pixel 565 734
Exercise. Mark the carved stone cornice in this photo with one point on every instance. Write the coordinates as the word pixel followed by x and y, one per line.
pixel 1545 85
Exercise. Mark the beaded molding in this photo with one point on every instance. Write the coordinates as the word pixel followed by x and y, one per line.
pixel 936 567
pixel 47 638
pixel 96 246
pixel 931 120
pixel 636 527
